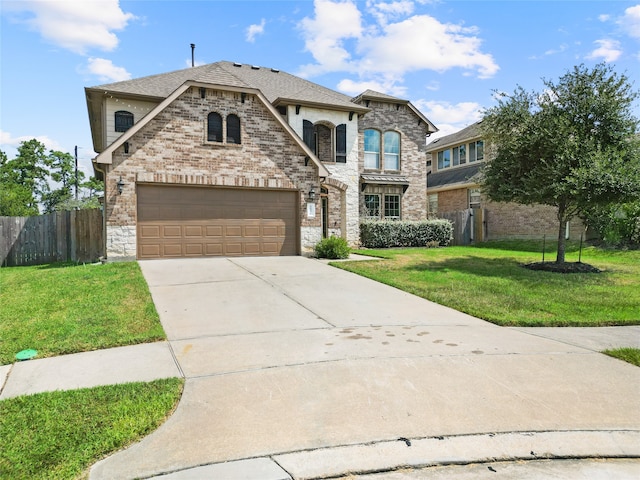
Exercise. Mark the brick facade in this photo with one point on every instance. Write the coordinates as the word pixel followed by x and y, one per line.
pixel 172 149
pixel 385 116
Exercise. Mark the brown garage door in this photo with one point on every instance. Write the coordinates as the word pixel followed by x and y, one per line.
pixel 176 221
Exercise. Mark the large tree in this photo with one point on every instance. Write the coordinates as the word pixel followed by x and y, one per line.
pixel 571 146
pixel 23 180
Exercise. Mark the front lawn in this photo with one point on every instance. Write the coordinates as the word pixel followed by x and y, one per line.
pixel 58 435
pixel 629 355
pixel 489 282
pixel 58 309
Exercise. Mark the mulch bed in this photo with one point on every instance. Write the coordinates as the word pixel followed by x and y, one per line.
pixel 566 267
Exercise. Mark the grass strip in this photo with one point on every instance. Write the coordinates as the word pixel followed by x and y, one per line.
pixel 489 282
pixel 58 435
pixel 61 308
pixel 629 355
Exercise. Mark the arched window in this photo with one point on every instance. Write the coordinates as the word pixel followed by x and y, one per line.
pixel 371 148
pixel 123 120
pixel 214 127
pixel 233 129
pixel 391 151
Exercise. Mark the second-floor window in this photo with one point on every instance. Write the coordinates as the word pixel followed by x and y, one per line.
pixel 371 149
pixel 328 143
pixel 461 155
pixel 123 120
pixel 216 128
pixel 387 143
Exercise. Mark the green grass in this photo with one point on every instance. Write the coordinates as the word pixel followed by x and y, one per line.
pixel 58 435
pixel 489 282
pixel 58 309
pixel 630 355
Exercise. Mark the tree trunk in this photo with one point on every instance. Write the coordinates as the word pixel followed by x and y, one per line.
pixel 561 233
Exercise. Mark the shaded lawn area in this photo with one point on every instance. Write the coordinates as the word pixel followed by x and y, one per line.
pixel 58 435
pixel 60 308
pixel 489 282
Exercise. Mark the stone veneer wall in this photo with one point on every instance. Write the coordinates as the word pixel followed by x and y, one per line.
pixel 346 174
pixel 388 116
pixel 173 149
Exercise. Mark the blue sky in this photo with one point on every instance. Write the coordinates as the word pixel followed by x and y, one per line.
pixel 446 57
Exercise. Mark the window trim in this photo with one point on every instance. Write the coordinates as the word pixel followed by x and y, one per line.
pixel 222 130
pixel 396 155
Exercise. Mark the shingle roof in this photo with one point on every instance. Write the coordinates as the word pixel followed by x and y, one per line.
pixel 373 95
pixel 454 176
pixel 472 131
pixel 274 84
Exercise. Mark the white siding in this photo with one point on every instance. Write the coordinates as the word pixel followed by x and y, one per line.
pixel 137 107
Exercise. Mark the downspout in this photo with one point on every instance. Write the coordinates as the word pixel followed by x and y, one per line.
pixel 104 207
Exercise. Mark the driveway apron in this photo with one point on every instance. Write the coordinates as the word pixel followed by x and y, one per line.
pixel 289 354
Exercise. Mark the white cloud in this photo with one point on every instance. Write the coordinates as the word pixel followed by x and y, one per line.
pixel 74 25
pixel 351 87
pixel 106 71
pixel 325 34
pixel 9 144
pixel 254 30
pixel 463 113
pixel 383 11
pixel 395 45
pixel 604 17
pixel 608 50
pixel 630 22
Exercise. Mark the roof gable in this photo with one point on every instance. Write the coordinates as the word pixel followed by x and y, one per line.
pixel 471 132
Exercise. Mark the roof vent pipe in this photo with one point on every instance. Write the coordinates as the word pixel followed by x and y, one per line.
pixel 193 59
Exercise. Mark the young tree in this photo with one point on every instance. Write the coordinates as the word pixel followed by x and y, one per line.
pixel 572 146
pixel 62 171
pixel 23 180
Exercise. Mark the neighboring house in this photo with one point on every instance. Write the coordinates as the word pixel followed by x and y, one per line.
pixel 453 185
pixel 231 159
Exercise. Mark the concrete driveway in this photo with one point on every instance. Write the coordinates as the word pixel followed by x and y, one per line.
pixel 300 366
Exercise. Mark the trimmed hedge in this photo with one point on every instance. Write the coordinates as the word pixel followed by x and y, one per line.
pixel 385 234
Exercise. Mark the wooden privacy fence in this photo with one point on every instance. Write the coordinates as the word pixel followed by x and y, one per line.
pixel 75 236
pixel 468 225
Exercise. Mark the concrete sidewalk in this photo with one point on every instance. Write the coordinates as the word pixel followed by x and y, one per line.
pixel 295 369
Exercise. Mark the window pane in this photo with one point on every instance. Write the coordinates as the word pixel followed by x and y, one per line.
pixel 392 206
pixel 444 159
pixel 123 120
pixel 372 205
pixel 472 152
pixel 480 150
pixel 341 143
pixel 371 149
pixel 214 127
pixel 233 129
pixel 391 151
pixel 456 156
pixel 463 154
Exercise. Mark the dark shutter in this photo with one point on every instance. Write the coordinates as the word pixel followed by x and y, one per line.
pixel 341 143
pixel 307 135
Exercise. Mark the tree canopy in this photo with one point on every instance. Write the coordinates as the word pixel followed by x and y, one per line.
pixel 36 179
pixel 571 146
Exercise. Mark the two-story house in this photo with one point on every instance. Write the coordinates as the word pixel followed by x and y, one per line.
pixel 454 185
pixel 232 159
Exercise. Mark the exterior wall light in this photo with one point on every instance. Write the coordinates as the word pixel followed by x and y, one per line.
pixel 120 186
pixel 312 195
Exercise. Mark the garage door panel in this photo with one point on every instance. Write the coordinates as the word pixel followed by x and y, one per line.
pixel 178 221
pixel 194 231
pixel 171 231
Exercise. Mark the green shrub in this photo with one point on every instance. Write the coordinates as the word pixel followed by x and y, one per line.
pixel 618 225
pixel 333 248
pixel 385 234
